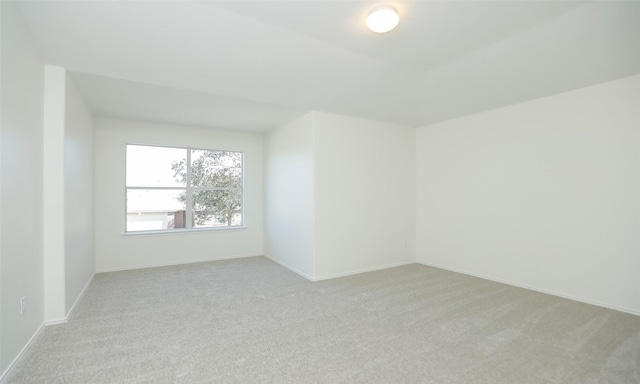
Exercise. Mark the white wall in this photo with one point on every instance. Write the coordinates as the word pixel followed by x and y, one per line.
pixel 544 194
pixel 289 181
pixel 78 195
pixel 116 252
pixel 364 195
pixel 53 206
pixel 21 193
pixel 340 195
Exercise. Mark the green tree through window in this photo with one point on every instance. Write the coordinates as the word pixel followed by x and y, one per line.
pixel 215 181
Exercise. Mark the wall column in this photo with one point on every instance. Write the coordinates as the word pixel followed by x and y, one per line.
pixel 53 207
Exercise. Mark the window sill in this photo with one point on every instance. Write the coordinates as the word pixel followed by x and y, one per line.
pixel 183 231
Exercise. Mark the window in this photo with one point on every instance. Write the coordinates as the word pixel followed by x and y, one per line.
pixel 182 188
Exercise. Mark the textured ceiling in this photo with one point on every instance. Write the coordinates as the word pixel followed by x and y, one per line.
pixel 253 65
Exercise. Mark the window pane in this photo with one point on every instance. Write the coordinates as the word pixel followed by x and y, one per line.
pixel 216 169
pixel 216 208
pixel 155 209
pixel 156 166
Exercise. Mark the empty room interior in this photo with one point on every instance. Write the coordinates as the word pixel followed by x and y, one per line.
pixel 320 192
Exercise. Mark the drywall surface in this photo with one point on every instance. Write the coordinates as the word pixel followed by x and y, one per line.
pixel 544 194
pixel 78 195
pixel 364 194
pixel 289 183
pixel 21 261
pixel 53 209
pixel 115 251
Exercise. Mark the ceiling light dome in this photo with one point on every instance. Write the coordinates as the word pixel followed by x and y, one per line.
pixel 383 18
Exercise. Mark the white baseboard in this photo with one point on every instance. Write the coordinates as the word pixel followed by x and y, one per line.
pixel 55 321
pixel 531 288
pixel 294 270
pixel 169 264
pixel 343 274
pixel 75 303
pixel 17 358
pixel 358 271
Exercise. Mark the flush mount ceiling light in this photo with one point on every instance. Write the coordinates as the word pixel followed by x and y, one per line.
pixel 383 18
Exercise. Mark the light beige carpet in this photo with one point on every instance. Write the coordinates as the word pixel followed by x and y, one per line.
pixel 252 321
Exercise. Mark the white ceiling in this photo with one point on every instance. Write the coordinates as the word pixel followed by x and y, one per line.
pixel 139 101
pixel 253 65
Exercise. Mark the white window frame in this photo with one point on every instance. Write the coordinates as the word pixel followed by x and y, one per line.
pixel 188 194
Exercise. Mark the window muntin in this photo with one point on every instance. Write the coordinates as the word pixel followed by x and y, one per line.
pixel 170 188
